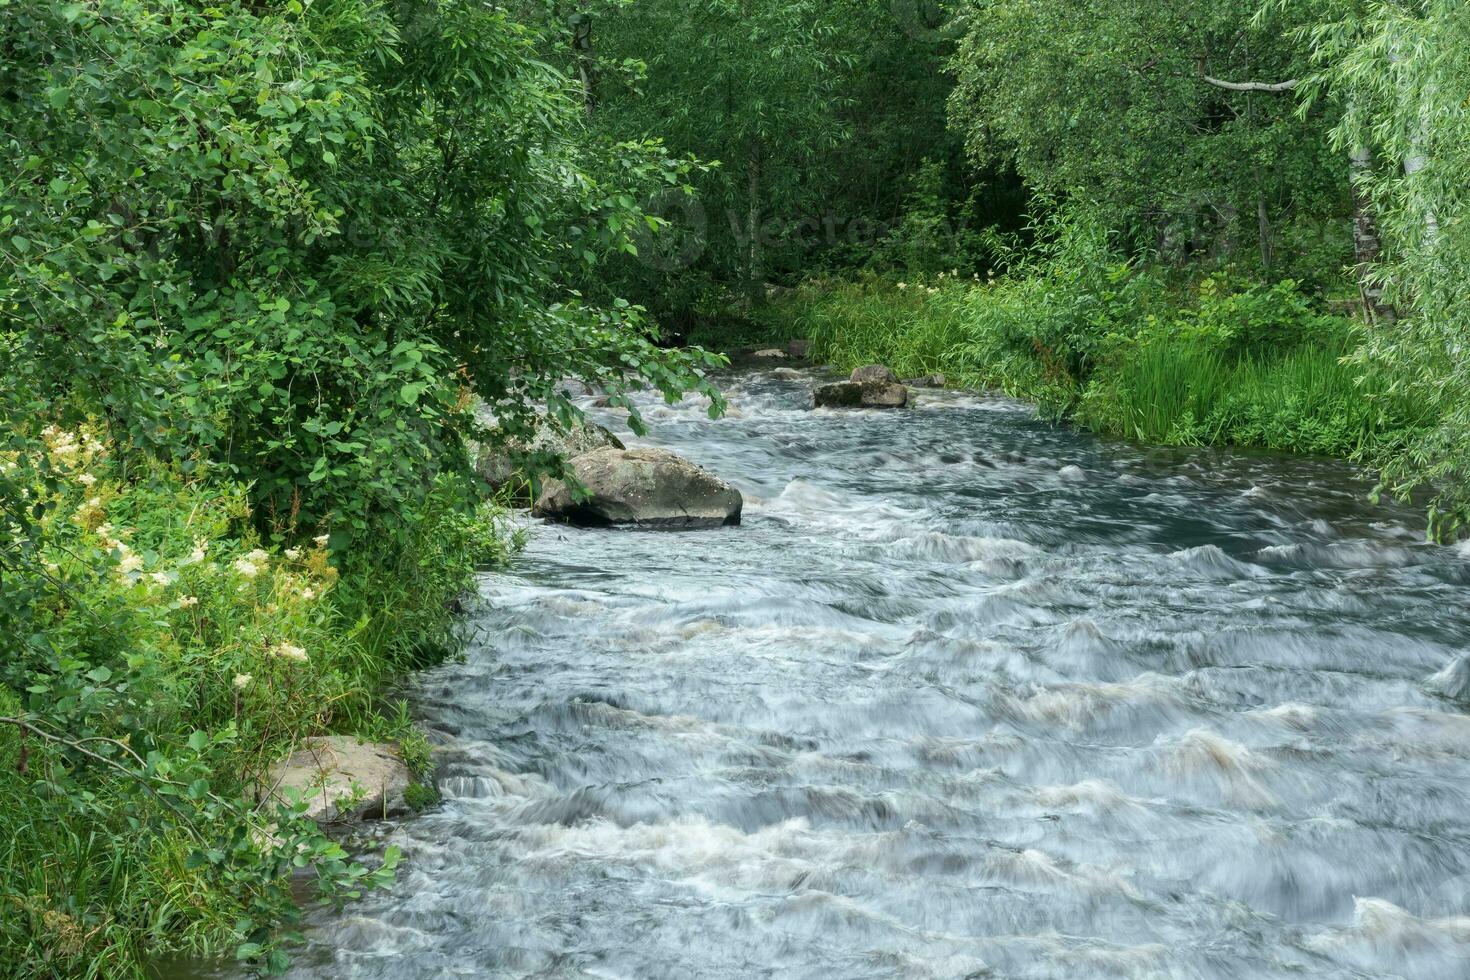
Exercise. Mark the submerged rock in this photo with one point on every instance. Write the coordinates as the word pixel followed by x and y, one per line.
pixel 345 779
pixel 786 374
pixel 497 464
pixel 771 354
pixel 873 386
pixel 651 487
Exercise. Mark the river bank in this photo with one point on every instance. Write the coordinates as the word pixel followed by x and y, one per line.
pixel 1121 353
pixel 186 653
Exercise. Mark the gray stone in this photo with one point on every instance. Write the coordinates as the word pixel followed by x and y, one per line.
pixel 885 396
pixel 873 386
pixel 843 394
pixel 651 487
pixel 798 348
pixel 786 374
pixel 927 381
pixel 874 374
pixel 770 354
pixel 345 779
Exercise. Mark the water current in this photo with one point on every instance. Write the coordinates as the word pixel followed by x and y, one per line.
pixel 966 695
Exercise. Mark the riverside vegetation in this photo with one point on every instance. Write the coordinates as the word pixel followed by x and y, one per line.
pixel 259 262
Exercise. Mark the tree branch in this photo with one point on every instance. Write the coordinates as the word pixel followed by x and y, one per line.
pixel 1285 86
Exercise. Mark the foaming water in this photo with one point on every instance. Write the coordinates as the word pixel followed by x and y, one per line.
pixel 965 696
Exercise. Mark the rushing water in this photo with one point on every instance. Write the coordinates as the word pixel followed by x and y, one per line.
pixel 965 696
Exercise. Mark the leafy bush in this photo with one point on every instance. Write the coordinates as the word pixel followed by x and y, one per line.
pixel 279 240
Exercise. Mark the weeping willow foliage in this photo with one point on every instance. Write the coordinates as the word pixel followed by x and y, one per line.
pixel 1402 70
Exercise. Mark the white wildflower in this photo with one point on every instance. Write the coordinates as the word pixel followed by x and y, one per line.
pixel 903 285
pixel 321 540
pixel 286 651
pixel 308 594
pixel 242 681
pixel 160 578
pixel 130 563
pixel 189 600
pixel 246 568
pixel 259 557
pixel 294 554
pixel 87 480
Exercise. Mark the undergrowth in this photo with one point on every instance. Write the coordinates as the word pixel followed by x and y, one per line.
pixel 170 654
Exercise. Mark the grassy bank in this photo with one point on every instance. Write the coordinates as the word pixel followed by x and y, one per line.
pixel 173 653
pixel 1123 352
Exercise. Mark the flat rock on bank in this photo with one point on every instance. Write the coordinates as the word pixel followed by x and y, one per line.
pixel 649 487
pixel 357 780
pixel 872 386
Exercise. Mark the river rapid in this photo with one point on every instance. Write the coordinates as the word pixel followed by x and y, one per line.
pixel 967 695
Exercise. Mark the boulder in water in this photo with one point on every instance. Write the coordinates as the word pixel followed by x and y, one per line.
pixel 798 349
pixel 872 386
pixel 843 394
pixel 650 487
pixel 927 381
pixel 786 374
pixel 770 354
pixel 345 779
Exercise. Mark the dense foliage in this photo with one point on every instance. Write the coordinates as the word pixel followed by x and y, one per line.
pixel 257 261
pixel 262 262
pixel 1114 105
pixel 1402 68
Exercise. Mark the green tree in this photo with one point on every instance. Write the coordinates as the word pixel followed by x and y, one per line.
pixel 1132 110
pixel 276 239
pixel 753 85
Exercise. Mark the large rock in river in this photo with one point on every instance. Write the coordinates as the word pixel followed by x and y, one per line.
pixel 345 779
pixel 650 487
pixel 873 386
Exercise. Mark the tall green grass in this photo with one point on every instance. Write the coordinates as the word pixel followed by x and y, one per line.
pixel 1307 399
pixel 916 331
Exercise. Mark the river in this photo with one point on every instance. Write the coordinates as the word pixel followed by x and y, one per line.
pixel 967 695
